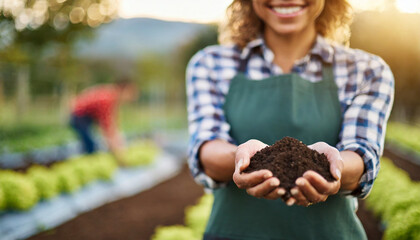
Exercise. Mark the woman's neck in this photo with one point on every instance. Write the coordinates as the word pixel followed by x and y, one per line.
pixel 289 48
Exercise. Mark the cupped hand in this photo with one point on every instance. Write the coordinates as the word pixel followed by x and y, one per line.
pixel 261 183
pixel 312 187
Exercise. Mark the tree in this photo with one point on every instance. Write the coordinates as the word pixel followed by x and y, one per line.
pixel 28 28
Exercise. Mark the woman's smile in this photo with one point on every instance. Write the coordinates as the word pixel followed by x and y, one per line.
pixel 288 17
pixel 289 10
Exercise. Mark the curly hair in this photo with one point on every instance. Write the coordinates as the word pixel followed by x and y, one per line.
pixel 243 25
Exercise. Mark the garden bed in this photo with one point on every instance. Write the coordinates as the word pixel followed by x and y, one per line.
pixel 134 217
pixel 50 213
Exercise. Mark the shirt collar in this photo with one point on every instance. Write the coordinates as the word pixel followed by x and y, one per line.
pixel 321 48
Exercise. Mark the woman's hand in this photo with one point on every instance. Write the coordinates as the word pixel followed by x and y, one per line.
pixel 260 184
pixel 312 187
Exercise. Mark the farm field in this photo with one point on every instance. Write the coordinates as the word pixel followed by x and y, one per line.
pixel 102 101
pixel 140 215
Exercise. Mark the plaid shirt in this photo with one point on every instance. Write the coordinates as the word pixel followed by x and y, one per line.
pixel 365 89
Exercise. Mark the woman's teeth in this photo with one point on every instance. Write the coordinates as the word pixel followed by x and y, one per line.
pixel 287 10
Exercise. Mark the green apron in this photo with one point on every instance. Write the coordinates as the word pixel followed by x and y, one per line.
pixel 268 110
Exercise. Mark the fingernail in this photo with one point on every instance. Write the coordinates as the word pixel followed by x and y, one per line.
pixel 290 202
pixel 268 175
pixel 294 191
pixel 274 183
pixel 338 174
pixel 281 192
pixel 299 182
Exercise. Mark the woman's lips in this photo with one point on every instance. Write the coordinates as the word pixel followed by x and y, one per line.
pixel 288 11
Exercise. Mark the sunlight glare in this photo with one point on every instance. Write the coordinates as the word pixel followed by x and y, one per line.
pixel 408 6
pixel 363 5
pixel 203 11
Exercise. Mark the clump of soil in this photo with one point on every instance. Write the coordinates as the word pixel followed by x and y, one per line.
pixel 288 159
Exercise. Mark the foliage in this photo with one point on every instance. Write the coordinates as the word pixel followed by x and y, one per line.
pixel 140 153
pixel 176 232
pixel 405 225
pixel 39 22
pixel 46 181
pixel 104 166
pixel 83 168
pixel 196 218
pixel 19 191
pixel 46 137
pixel 27 137
pixel 404 135
pixel 396 199
pixel 2 199
pixel 68 181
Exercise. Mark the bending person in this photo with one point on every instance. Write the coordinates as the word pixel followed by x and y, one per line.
pixel 99 105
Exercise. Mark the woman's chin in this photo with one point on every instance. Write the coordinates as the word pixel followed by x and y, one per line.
pixel 287 31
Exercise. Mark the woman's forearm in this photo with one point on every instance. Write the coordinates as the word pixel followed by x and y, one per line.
pixel 218 159
pixel 352 171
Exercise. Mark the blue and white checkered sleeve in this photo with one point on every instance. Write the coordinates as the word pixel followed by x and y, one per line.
pixel 206 118
pixel 364 121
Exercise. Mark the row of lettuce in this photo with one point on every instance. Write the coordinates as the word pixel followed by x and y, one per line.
pixel 28 137
pixel 23 190
pixel 196 218
pixel 395 199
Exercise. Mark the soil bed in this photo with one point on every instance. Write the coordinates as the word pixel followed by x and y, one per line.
pixel 135 217
pixel 288 159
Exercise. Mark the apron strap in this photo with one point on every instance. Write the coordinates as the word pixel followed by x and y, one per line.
pixel 327 68
pixel 328 73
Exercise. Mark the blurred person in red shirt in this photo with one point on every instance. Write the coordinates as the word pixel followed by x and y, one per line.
pixel 99 105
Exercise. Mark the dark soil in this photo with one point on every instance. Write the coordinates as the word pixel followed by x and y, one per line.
pixel 288 159
pixel 135 217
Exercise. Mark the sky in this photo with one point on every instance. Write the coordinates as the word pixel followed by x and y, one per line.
pixel 205 11
pixel 202 11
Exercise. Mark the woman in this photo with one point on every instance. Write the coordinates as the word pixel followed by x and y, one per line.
pixel 284 76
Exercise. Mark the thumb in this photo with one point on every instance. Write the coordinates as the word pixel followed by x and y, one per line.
pixel 241 159
pixel 337 165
